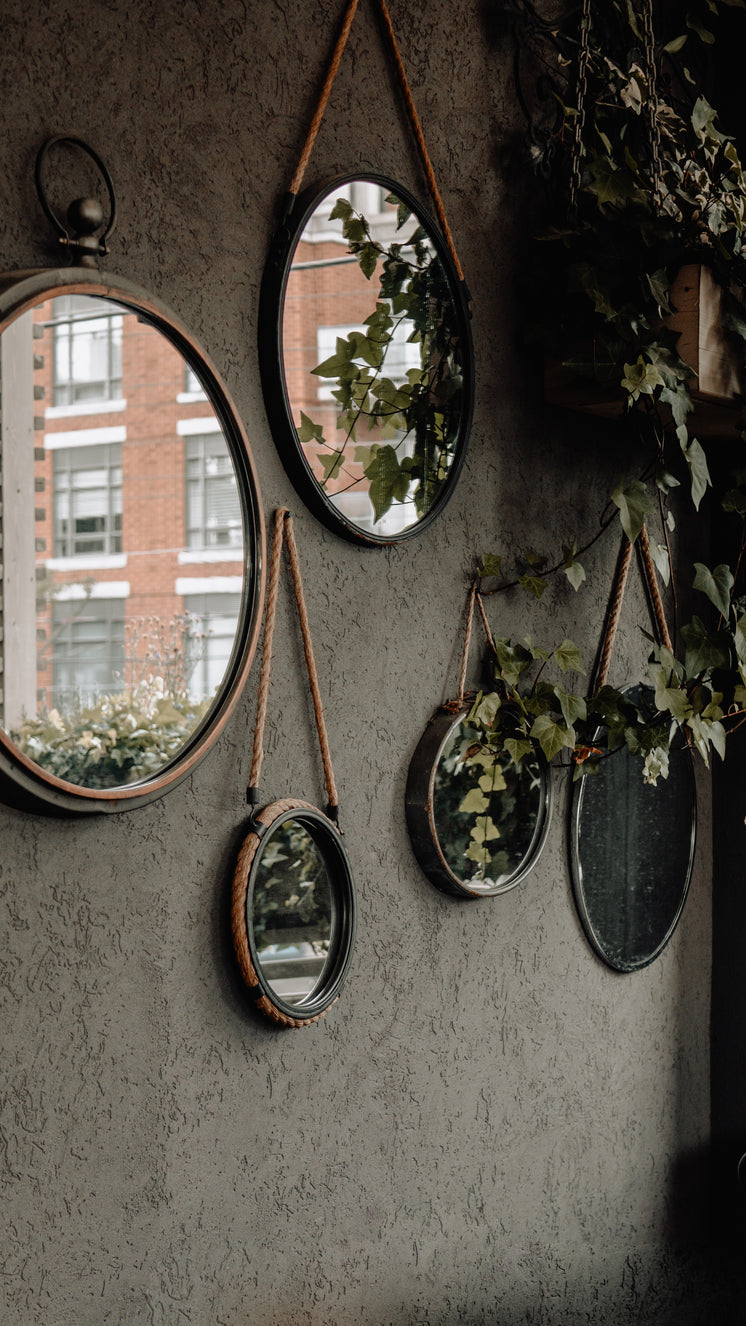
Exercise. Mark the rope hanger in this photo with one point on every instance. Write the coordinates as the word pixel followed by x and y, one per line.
pixel 318 116
pixel 283 533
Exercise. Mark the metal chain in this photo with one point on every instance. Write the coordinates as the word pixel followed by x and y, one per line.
pixel 652 102
pixel 577 141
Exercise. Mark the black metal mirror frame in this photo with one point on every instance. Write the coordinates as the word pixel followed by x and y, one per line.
pixel 328 839
pixel 576 870
pixel 420 812
pixel 271 361
pixel 28 786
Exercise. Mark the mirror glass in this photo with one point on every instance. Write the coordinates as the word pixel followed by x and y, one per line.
pixel 633 850
pixel 292 913
pixel 124 545
pixel 376 360
pixel 488 813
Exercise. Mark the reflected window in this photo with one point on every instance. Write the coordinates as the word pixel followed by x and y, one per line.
pixel 88 500
pixel 212 626
pixel 87 651
pixel 192 385
pixel 212 502
pixel 87 351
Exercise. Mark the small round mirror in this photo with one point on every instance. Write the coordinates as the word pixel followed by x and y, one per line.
pixel 366 360
pixel 476 820
pixel 132 535
pixel 293 913
pixel 632 851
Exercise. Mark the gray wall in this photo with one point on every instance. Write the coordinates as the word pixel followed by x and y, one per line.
pixel 490 1126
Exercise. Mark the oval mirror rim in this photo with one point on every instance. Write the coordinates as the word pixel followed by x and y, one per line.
pixel 576 872
pixel 420 815
pixel 271 362
pixel 26 785
pixel 328 839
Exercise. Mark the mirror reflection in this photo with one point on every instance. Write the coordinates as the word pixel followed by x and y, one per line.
pixel 122 530
pixel 292 912
pixel 373 358
pixel 633 855
pixel 487 813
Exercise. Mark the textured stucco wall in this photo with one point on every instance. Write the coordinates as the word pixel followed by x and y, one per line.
pixel 490 1126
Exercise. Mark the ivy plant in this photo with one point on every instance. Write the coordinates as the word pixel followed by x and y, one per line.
pixel 401 432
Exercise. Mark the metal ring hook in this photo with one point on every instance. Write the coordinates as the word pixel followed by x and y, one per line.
pixel 84 246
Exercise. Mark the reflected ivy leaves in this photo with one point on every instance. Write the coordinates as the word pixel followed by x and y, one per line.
pixel 485 807
pixel 414 416
pixel 292 894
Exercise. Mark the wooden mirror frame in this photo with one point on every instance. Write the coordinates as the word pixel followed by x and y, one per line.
pixel 25 784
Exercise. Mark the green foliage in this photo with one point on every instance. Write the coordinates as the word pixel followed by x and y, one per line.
pixel 120 739
pixel 414 423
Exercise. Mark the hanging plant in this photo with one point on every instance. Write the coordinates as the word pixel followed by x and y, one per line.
pixel 639 179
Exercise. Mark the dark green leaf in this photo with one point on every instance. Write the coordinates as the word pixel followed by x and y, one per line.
pixel 717 585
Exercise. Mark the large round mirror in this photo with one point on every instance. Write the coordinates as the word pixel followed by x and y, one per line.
pixel 366 360
pixel 293 912
pixel 632 850
pixel 132 545
pixel 476 820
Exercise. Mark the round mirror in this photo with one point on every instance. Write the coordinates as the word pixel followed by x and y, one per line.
pixel 132 545
pixel 366 359
pixel 293 912
pixel 476 820
pixel 632 851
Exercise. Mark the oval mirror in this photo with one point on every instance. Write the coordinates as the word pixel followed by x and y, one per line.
pixel 367 361
pixel 132 545
pixel 293 912
pixel 477 821
pixel 632 851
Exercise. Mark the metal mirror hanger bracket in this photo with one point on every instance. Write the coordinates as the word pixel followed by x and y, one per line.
pixel 85 215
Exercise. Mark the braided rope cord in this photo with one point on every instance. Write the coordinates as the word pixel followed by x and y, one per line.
pixel 613 615
pixel 283 533
pixel 474 598
pixel 318 116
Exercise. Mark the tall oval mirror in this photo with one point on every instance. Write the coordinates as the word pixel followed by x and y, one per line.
pixel 367 360
pixel 477 821
pixel 131 534
pixel 632 850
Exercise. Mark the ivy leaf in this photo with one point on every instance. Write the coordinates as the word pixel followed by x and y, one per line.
pixel 331 463
pixel 717 585
pixel 474 803
pixel 551 736
pixel 575 574
pixel 493 780
pixel 672 47
pixel 698 472
pixel 567 657
pixel 341 211
pixel 704 651
pixel 484 709
pixel 485 830
pixel 387 483
pixel 308 431
pixel 518 748
pixel 534 584
pixel 659 554
pixel 512 660
pixel 669 699
pixel 634 504
pixel 573 706
pixel 491 564
pixel 368 259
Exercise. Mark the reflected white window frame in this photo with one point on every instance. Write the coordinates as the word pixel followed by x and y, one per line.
pixel 70 465
pixel 86 351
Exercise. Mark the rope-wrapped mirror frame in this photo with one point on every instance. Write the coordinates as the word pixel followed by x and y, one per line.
pixel 331 957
